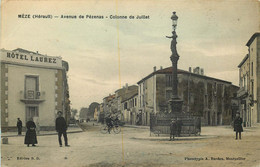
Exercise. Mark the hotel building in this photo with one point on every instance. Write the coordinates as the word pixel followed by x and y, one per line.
pixel 32 86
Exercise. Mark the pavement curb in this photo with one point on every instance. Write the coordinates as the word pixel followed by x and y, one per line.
pixel 46 134
pixel 176 138
pixel 140 127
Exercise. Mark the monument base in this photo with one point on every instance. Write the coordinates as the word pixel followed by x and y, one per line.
pixel 175 105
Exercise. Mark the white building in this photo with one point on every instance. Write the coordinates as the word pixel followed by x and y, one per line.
pixel 32 86
pixel 129 107
pixel 249 82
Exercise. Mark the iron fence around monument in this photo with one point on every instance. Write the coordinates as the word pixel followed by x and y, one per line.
pixel 160 123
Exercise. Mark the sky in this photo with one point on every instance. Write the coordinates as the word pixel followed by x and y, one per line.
pixel 105 54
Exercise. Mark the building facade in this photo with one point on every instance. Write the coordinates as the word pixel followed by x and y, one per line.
pixel 110 105
pixel 114 104
pixel 203 96
pixel 249 83
pixel 32 86
pixel 100 113
pixel 83 114
pixel 129 107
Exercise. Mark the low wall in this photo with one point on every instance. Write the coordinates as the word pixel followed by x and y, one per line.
pixel 14 129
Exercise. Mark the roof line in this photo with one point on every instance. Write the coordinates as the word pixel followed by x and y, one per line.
pixel 252 38
pixel 130 97
pixel 243 61
pixel 180 72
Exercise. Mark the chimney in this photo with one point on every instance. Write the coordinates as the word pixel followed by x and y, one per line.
pixel 161 68
pixel 190 69
pixel 201 71
pixel 154 68
pixel 196 70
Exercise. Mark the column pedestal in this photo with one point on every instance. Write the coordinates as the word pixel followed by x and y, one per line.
pixel 175 105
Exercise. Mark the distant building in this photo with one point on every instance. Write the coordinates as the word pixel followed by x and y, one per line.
pixel 124 94
pixel 110 105
pixel 203 96
pixel 249 82
pixel 113 103
pixel 129 106
pixel 100 113
pixel 83 113
pixel 32 86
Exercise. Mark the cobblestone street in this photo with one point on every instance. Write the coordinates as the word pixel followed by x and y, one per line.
pixel 135 147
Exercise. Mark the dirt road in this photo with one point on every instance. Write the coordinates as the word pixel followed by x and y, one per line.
pixel 216 147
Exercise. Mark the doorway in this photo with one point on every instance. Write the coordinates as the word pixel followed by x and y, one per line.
pixel 31 112
pixel 219 118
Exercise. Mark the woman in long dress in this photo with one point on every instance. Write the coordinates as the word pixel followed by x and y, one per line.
pixel 30 137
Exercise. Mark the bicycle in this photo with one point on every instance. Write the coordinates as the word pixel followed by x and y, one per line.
pixel 116 129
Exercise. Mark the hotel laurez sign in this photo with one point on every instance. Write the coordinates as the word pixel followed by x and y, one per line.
pixel 30 59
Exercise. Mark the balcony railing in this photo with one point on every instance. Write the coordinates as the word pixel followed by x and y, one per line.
pixel 241 93
pixel 32 97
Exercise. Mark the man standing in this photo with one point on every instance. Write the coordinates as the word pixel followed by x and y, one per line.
pixel 238 125
pixel 172 129
pixel 179 126
pixel 198 125
pixel 61 128
pixel 19 126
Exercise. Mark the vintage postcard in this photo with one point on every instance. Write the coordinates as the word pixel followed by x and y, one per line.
pixel 130 83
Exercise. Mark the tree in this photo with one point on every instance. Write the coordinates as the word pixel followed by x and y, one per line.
pixel 73 113
pixel 83 113
pixel 92 106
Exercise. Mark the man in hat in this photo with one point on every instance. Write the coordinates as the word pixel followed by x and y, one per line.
pixel 238 125
pixel 19 126
pixel 173 127
pixel 61 128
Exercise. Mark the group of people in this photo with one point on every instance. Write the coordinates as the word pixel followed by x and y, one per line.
pixel 61 128
pixel 31 137
pixel 175 128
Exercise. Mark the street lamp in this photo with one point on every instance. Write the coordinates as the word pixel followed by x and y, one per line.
pixel 175 102
pixel 174 20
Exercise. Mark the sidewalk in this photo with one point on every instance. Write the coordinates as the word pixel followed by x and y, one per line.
pixel 207 132
pixel 42 133
pixel 166 138
pixel 89 126
pixel 136 126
